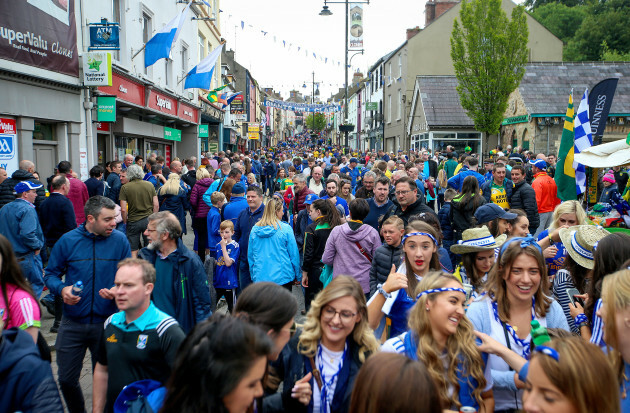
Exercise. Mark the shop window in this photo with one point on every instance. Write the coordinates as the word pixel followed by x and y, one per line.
pixel 44 131
pixel 124 146
pixel 146 31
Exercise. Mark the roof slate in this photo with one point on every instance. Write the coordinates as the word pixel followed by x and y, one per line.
pixel 441 102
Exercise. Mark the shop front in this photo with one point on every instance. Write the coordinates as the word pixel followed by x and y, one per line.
pixel 438 141
pixel 147 121
pixel 212 123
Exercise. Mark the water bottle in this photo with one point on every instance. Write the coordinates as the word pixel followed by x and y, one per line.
pixel 539 334
pixel 77 288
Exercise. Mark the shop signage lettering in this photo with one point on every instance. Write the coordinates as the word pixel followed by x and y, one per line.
pixel 106 109
pixel 371 106
pixel 203 131
pixel 515 119
pixel 97 69
pixel 172 134
pixel 122 89
pixel 163 103
pixel 8 145
pixel 186 113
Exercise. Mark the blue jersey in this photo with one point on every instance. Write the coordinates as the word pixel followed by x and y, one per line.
pixel 557 262
pixel 226 277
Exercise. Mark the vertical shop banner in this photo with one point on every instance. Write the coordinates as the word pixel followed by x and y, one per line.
pixel 40 33
pixel 356 26
pixel 106 109
pixel 203 131
pixel 8 145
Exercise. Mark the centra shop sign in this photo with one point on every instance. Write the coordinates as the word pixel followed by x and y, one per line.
pixel 515 119
pixel 172 134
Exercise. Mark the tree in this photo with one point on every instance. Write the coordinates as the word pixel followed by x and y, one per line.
pixel 609 55
pixel 534 4
pixel 316 122
pixel 489 53
pixel 561 20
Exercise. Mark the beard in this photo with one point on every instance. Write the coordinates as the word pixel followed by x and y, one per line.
pixel 155 245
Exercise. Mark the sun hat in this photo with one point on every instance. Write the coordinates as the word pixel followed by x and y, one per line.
pixel 490 211
pixel 609 177
pixel 26 186
pixel 539 163
pixel 477 239
pixel 581 242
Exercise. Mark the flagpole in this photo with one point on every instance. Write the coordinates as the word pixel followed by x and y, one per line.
pixel 138 52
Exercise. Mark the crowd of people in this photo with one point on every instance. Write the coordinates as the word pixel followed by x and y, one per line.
pixel 431 282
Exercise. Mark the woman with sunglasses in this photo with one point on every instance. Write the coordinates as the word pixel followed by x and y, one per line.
pixel 517 289
pixel 442 338
pixel 328 352
pixel 396 296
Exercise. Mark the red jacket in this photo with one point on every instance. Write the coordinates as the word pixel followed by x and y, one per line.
pixel 546 192
pixel 78 195
pixel 300 197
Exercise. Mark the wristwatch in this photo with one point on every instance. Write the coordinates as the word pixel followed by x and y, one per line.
pixel 383 292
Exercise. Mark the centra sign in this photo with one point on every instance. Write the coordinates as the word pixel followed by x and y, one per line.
pixel 515 119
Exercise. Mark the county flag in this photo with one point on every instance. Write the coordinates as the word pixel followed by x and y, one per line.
pixel 565 174
pixel 159 46
pixel 201 75
pixel 583 140
pixel 230 98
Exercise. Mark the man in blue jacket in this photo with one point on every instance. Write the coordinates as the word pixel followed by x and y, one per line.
pixel 90 254
pixel 237 203
pixel 243 227
pixel 271 170
pixel 19 223
pixel 471 170
pixel 181 287
pixel 353 172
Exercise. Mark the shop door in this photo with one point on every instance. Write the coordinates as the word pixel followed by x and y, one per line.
pixel 45 160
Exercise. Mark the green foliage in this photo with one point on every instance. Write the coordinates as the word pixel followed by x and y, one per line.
pixel 609 55
pixel 559 19
pixel 489 53
pixel 535 4
pixel 316 122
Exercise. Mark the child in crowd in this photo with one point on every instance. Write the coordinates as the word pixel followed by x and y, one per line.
pixel 226 272
pixel 445 222
pixel 214 221
pixel 387 254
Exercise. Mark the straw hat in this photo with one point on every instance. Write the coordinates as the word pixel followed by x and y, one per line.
pixel 580 240
pixel 477 239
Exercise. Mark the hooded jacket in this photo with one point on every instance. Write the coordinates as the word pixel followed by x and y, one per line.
pixel 26 381
pixel 344 255
pixel 462 215
pixel 384 258
pixel 7 192
pixel 273 254
pixel 199 207
pixel 93 259
pixel 189 282
pixel 524 197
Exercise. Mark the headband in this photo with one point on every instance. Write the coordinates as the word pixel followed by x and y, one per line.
pixel 413 234
pixel 525 242
pixel 440 290
pixel 580 250
pixel 548 351
pixel 478 242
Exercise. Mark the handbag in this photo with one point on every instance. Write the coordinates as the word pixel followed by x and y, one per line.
pixel 326 275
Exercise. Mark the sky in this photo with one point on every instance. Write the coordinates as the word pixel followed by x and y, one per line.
pixel 298 23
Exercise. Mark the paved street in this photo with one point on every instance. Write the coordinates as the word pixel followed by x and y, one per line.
pixel 86 373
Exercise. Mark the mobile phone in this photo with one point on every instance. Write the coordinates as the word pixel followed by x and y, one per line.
pixel 572 292
pixel 469 290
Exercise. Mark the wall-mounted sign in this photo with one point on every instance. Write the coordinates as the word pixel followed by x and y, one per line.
pixel 162 103
pixel 97 69
pixel 125 89
pixel 371 106
pixel 104 36
pixel 237 107
pixel 106 109
pixel 8 145
pixel 172 134
pixel 515 119
pixel 203 131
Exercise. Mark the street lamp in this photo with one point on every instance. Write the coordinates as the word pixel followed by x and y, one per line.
pixel 326 12
pixel 314 92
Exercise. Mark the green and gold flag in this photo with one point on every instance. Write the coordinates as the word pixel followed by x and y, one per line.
pixel 565 174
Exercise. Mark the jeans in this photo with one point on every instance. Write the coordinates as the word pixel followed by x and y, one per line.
pixel 72 340
pixel 244 277
pixel 33 271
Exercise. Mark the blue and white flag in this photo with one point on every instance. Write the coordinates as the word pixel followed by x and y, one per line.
pixel 201 75
pixel 583 140
pixel 159 47
pixel 229 98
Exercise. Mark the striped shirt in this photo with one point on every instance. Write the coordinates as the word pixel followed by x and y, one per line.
pixel 597 336
pixel 561 282
pixel 22 311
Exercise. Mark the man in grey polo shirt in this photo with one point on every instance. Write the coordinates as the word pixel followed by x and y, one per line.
pixel 138 200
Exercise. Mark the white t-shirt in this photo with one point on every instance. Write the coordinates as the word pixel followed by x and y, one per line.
pixel 331 365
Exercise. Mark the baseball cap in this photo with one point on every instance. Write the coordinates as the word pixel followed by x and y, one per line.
pixel 489 212
pixel 310 198
pixel 238 188
pixel 539 163
pixel 25 186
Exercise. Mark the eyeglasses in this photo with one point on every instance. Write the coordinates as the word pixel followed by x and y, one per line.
pixel 402 192
pixel 344 315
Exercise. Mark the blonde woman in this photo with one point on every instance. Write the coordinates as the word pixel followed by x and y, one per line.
pixel 329 351
pixel 442 338
pixel 615 312
pixel 567 214
pixel 172 197
pixel 272 252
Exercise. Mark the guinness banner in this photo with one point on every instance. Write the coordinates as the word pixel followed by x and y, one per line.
pixel 599 103
pixel 40 33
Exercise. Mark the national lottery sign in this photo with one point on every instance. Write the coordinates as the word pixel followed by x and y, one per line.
pixel 300 107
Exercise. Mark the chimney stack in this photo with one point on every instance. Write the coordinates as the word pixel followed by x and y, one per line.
pixel 412 32
pixel 435 8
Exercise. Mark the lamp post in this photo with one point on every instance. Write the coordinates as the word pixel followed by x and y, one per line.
pixel 326 12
